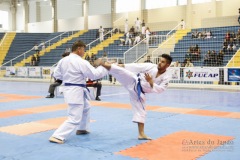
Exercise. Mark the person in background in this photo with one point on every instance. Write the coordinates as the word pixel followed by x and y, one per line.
pixel 148 60
pixel 57 82
pixel 95 84
pixel 101 31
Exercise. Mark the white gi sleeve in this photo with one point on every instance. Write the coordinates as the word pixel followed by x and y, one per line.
pixel 159 85
pixel 94 73
pixel 57 71
pixel 162 86
pixel 139 67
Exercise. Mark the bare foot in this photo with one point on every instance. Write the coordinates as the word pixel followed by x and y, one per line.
pixel 144 137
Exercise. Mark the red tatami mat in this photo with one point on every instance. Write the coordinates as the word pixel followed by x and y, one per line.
pixel 183 145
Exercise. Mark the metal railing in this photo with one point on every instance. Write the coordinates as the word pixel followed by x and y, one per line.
pixel 170 36
pixel 49 43
pixel 136 52
pixel 89 45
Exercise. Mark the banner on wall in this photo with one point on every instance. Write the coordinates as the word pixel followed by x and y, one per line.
pixel 201 74
pixel 34 72
pixel 22 72
pixel 232 75
pixel 47 72
pixel 10 71
pixel 174 73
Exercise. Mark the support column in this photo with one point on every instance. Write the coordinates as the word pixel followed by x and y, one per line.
pixel 13 12
pixel 26 15
pixel 85 13
pixel 38 12
pixel 54 15
pixel 144 12
pixel 113 12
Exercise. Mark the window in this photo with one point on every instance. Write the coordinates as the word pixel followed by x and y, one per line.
pixel 151 4
pixel 4 19
pixel 200 1
pixel 126 6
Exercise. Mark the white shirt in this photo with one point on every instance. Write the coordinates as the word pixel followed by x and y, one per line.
pixel 160 83
pixel 147 33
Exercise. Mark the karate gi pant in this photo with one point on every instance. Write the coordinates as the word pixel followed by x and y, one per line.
pixel 78 118
pixel 129 81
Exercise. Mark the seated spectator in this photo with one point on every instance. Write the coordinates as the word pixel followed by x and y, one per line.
pixel 148 60
pixel 196 54
pixel 220 58
pixel 195 34
pixel 225 45
pixel 33 61
pixel 57 82
pixel 189 64
pixel 227 36
pixel 208 35
pixel 213 58
pixel 206 58
pixel 175 64
pixel 95 84
pixel 137 39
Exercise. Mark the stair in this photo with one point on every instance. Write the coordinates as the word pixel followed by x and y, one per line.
pixel 235 61
pixel 9 37
pixel 104 44
pixel 178 36
pixel 49 48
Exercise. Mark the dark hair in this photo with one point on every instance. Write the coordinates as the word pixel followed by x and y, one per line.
pixel 167 57
pixel 77 44
pixel 65 54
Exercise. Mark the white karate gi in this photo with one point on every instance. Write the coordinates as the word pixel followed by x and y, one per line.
pixel 126 27
pixel 137 25
pixel 101 31
pixel 73 69
pixel 128 78
pixel 147 36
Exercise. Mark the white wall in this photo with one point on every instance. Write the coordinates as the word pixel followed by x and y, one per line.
pixel 97 21
pixel 32 11
pixel 20 18
pixel 68 9
pixel 201 15
pixel 45 11
pixel 70 24
pixel 41 27
pixel 6 7
pixel 98 7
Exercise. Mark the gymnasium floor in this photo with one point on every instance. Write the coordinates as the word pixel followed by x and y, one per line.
pixel 184 124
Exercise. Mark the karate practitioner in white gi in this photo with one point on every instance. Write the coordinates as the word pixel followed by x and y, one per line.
pixel 73 71
pixel 101 35
pixel 153 78
pixel 138 25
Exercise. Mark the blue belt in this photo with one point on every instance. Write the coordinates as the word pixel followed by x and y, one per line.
pixel 139 87
pixel 79 85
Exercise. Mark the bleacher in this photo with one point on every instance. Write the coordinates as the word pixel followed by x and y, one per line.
pixel 24 42
pixel 1 35
pixel 214 43
pixel 54 55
